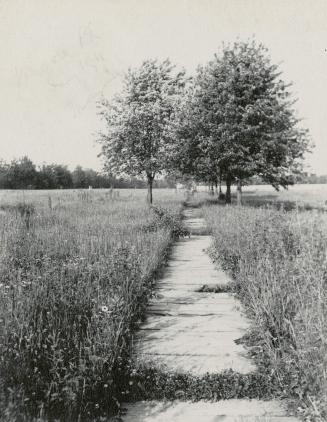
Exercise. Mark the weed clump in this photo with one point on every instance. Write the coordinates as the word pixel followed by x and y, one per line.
pixel 149 383
pixel 162 218
pixel 217 288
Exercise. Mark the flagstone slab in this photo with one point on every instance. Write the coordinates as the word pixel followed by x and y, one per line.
pixel 196 353
pixel 196 323
pixel 190 264
pixel 193 221
pixel 202 411
pixel 190 331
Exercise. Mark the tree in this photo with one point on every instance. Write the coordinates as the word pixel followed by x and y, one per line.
pixel 137 140
pixel 79 178
pixel 54 176
pixel 21 174
pixel 240 118
pixel 45 177
pixel 63 177
pixel 3 174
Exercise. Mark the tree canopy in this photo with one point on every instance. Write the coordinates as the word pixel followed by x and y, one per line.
pixel 238 120
pixel 137 141
pixel 233 120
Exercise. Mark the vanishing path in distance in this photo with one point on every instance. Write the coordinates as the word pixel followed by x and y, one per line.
pixel 194 332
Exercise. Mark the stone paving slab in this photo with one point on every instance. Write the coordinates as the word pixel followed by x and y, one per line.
pixel 190 296
pixel 192 221
pixel 173 289
pixel 196 323
pixel 222 411
pixel 211 301
pixel 189 331
pixel 198 364
pixel 189 264
pixel 189 213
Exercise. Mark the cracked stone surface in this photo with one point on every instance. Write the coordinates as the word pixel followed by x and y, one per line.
pixel 188 331
pixel 192 220
pixel 202 411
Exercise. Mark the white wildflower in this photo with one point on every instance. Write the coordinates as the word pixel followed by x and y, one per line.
pixel 104 309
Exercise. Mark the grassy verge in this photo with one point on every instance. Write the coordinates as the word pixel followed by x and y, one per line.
pixel 148 383
pixel 279 263
pixel 75 278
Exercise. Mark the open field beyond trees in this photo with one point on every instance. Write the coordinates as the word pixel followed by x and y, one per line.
pixel 303 196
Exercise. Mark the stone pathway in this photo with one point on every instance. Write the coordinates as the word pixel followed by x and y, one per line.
pixel 224 411
pixel 193 332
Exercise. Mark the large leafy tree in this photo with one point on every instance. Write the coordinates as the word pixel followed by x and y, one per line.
pixel 136 141
pixel 193 155
pixel 240 118
pixel 21 174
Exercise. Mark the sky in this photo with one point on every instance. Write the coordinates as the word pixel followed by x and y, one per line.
pixel 58 57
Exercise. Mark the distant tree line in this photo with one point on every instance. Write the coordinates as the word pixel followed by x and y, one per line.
pixel 22 173
pixel 311 178
pixel 302 178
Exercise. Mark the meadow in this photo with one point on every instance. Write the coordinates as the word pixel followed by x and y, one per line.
pixel 278 260
pixel 305 196
pixel 78 267
pixel 76 271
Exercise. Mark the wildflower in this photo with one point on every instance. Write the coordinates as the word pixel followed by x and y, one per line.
pixel 104 309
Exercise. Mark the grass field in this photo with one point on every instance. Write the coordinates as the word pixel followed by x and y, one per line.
pixel 278 260
pixel 306 196
pixel 77 268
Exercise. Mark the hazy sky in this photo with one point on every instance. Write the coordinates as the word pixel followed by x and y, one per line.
pixel 58 56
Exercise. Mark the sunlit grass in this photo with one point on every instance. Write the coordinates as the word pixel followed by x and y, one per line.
pixel 76 273
pixel 279 262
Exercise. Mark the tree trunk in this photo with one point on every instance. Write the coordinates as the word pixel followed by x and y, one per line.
pixel 149 197
pixel 228 198
pixel 220 192
pixel 239 192
pixel 216 187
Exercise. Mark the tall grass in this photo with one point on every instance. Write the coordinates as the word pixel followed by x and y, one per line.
pixel 76 273
pixel 279 262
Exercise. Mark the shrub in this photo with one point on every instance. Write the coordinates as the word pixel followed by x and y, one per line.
pixel 162 218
